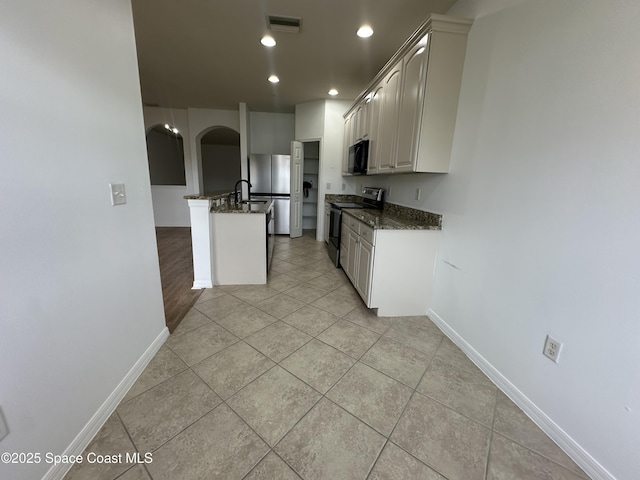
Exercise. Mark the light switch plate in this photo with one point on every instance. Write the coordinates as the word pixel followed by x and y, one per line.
pixel 4 429
pixel 118 194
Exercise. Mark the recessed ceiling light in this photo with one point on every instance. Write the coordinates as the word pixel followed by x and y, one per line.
pixel 333 92
pixel 365 31
pixel 274 79
pixel 268 41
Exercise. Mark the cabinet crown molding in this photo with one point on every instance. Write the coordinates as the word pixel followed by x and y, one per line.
pixel 434 23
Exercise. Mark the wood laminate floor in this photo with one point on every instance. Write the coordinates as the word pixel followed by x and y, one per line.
pixel 176 273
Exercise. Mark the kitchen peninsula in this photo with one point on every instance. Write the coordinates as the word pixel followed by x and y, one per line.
pixel 231 244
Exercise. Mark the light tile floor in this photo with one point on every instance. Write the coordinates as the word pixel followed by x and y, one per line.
pixel 297 379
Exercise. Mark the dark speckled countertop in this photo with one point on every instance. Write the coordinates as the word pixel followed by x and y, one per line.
pixel 253 207
pixel 208 196
pixel 220 203
pixel 397 217
pixel 392 217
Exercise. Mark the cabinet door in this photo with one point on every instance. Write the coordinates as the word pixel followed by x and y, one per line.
pixel 346 144
pixel 374 111
pixel 358 123
pixel 344 231
pixel 365 119
pixel 364 269
pixel 388 128
pixel 352 256
pixel 411 105
pixel 327 219
pixel 344 244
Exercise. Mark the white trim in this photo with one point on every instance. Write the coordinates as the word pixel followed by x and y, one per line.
pixel 77 446
pixel 199 284
pixel 578 454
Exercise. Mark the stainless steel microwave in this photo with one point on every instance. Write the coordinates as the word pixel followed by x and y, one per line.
pixel 358 158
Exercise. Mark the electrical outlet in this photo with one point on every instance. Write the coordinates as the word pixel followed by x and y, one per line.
pixel 118 194
pixel 389 191
pixel 4 429
pixel 417 194
pixel 328 186
pixel 344 186
pixel 552 349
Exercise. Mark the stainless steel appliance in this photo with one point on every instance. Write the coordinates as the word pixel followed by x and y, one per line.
pixel 372 198
pixel 358 158
pixel 270 180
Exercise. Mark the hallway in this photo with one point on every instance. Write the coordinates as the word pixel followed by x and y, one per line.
pixel 176 273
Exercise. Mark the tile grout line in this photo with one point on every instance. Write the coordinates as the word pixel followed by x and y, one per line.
pixel 493 422
pixel 413 393
pixel 321 395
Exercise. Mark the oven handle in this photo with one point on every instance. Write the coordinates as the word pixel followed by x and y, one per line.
pixel 335 213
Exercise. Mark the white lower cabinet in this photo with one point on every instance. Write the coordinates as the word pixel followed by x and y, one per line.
pixel 392 270
pixel 365 265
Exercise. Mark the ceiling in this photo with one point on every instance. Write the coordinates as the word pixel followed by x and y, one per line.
pixel 207 53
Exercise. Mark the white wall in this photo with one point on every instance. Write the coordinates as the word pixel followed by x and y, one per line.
pixel 542 218
pixel 322 120
pixel 169 206
pixel 333 148
pixel 271 132
pixel 309 120
pixel 80 295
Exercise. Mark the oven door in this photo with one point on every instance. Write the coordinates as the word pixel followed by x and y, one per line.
pixel 333 246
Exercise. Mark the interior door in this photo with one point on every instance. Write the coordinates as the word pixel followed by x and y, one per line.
pixel 295 221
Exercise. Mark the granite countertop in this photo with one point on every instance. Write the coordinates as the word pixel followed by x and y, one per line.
pixel 220 203
pixel 397 217
pixel 208 196
pixel 253 207
pixel 337 197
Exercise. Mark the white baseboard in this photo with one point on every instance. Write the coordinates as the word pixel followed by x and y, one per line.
pixel 77 446
pixel 197 285
pixel 578 454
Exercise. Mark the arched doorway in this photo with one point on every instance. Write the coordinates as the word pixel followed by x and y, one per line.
pixel 220 159
pixel 167 172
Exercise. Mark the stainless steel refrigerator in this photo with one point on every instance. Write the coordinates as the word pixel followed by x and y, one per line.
pixel 269 176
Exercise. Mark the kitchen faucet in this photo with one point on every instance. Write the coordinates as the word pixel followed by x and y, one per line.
pixel 237 195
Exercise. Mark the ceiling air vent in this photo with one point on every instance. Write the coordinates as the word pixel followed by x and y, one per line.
pixel 278 23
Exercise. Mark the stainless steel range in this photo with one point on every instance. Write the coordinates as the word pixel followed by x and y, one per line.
pixel 372 198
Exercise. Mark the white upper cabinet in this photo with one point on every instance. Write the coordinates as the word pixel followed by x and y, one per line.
pixel 388 120
pixel 410 108
pixel 348 137
pixel 411 127
pixel 375 115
